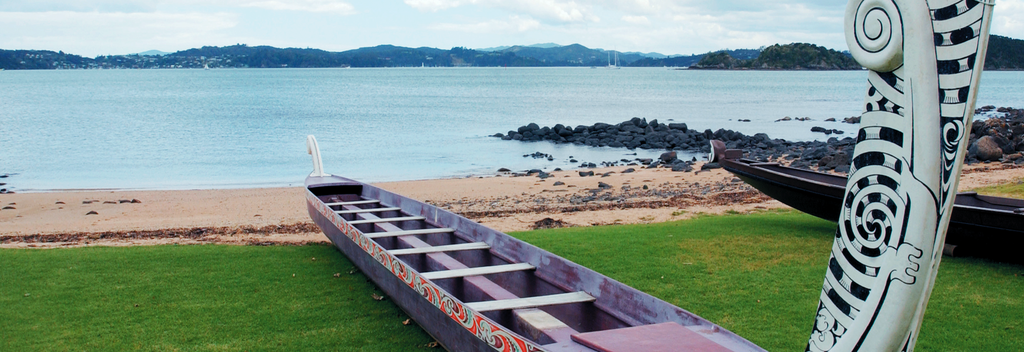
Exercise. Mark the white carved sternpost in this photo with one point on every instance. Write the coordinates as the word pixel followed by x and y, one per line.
pixel 925 59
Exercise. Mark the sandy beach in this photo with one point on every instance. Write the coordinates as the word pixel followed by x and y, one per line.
pixel 278 215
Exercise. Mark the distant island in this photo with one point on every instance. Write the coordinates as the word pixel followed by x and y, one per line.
pixel 796 56
pixel 1003 54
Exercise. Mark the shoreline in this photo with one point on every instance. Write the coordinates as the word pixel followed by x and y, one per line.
pixel 261 216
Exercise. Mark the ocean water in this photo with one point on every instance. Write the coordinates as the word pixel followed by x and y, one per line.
pixel 187 129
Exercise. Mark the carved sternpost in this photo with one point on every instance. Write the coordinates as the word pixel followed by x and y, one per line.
pixel 925 60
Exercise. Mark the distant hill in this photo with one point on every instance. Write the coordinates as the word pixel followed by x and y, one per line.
pixel 796 56
pixel 500 48
pixel 1004 53
pixel 690 60
pixel 153 53
pixel 572 55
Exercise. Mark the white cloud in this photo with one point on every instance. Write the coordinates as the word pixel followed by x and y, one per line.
pixel 555 11
pixel 435 5
pixel 334 6
pixel 1008 18
pixel 512 25
pixel 636 19
pixel 96 33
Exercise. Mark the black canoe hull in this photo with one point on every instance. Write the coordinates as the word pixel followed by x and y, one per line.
pixel 982 226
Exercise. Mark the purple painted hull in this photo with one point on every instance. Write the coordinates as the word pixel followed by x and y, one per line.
pixel 447 307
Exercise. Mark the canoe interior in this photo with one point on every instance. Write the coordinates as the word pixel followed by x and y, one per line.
pixel 556 305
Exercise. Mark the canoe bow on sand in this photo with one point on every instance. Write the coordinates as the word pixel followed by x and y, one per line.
pixel 476 289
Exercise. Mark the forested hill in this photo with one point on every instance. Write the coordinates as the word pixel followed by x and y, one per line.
pixel 796 56
pixel 1003 54
pixel 690 60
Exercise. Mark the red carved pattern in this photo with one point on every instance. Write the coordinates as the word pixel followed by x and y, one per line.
pixel 484 329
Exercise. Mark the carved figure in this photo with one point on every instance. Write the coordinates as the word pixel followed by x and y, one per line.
pixel 925 59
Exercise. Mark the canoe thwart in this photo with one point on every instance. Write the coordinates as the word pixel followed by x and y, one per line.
pixel 374 221
pixel 371 210
pixel 483 270
pixel 355 202
pixel 438 249
pixel 531 302
pixel 408 232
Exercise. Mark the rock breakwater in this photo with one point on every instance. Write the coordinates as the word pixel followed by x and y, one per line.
pixel 999 137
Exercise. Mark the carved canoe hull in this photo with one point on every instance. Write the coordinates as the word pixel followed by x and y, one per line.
pixel 521 298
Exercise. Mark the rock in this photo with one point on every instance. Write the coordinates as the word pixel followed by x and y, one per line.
pixel 834 131
pixel 558 183
pixel 852 120
pixel 92 212
pixel 986 149
pixel 821 130
pixel 682 167
pixel 603 185
pixel 586 173
pixel 678 126
pixel 710 166
pixel 667 157
pixel 504 170
pixel 549 223
pixel 830 119
pixel 629 170
pixel 787 118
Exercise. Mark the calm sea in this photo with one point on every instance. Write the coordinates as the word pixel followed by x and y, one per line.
pixel 179 129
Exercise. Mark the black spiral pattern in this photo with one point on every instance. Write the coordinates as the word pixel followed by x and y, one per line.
pixel 873 243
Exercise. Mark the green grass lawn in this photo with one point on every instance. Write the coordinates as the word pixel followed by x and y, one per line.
pixel 758 275
pixel 194 298
pixel 1009 190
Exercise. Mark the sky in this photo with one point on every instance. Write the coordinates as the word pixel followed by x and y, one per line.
pixel 112 27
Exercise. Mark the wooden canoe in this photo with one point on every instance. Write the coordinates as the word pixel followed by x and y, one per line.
pixel 982 226
pixel 473 288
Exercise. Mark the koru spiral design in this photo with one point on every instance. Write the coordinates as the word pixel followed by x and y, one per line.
pixel 925 59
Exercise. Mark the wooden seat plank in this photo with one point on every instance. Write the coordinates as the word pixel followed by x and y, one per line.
pixel 437 249
pixel 531 302
pixel 371 210
pixel 408 232
pixel 482 270
pixel 355 202
pixel 378 220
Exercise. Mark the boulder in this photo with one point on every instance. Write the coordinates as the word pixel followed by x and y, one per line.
pixel 986 149
pixel 667 157
pixel 678 126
